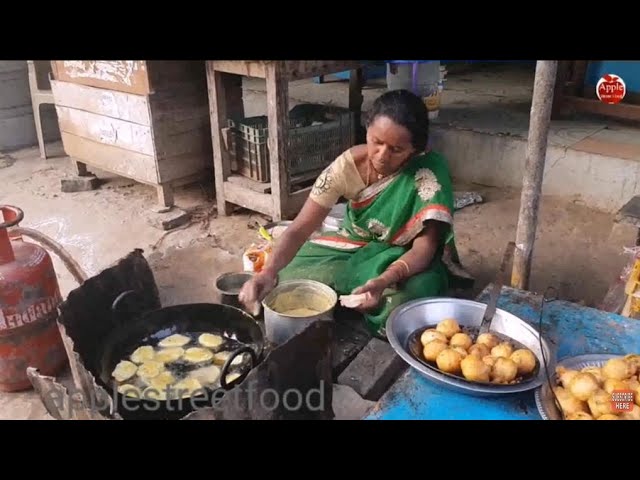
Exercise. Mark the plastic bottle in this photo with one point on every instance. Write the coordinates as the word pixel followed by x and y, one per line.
pixel 412 75
pixel 423 77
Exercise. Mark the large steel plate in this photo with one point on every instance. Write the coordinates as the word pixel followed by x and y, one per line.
pixel 545 400
pixel 427 313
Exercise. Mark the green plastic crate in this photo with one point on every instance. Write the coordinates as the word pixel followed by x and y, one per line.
pixel 311 146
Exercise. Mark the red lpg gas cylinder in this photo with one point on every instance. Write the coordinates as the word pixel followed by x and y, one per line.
pixel 29 296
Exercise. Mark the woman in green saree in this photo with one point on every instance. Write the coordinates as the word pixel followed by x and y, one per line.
pixel 397 232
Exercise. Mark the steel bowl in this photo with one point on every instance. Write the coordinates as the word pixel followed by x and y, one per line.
pixel 545 401
pixel 417 315
pixel 228 286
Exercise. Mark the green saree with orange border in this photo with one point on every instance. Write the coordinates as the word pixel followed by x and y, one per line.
pixel 379 227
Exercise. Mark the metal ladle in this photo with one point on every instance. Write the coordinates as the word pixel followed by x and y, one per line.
pixel 496 288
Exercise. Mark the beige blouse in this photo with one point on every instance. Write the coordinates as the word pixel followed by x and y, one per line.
pixel 340 179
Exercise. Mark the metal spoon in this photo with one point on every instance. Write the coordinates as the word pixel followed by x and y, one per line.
pixel 496 288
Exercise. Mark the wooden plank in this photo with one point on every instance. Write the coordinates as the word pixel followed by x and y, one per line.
pixel 125 106
pixel 107 130
pixel 295 202
pixel 189 136
pixel 562 75
pixel 218 120
pixel 171 75
pixel 258 202
pixel 278 122
pixel 263 187
pixel 178 167
pixel 246 68
pixel 356 81
pixel 121 75
pixel 249 184
pixel 621 110
pixel 112 159
pixel 301 69
pixel 293 69
pixel 181 123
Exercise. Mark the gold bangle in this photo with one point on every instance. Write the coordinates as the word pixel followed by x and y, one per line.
pixel 406 266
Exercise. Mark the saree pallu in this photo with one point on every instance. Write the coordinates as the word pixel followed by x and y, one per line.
pixel 379 227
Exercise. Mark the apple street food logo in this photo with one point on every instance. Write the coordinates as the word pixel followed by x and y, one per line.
pixel 611 89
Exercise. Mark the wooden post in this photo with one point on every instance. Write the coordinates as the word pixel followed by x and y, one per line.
pixel 218 117
pixel 278 120
pixel 356 81
pixel 540 119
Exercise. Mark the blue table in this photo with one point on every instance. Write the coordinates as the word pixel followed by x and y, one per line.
pixel 570 329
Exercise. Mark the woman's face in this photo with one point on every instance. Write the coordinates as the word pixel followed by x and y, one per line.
pixel 388 145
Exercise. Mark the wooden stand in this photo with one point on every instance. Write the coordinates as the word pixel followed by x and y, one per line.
pixel 277 200
pixel 144 120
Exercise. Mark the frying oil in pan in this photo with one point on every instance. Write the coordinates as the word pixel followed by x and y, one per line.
pixel 178 365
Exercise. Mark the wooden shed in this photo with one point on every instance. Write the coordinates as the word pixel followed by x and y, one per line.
pixel 144 120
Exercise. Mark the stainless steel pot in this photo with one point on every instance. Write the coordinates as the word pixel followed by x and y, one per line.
pixel 280 320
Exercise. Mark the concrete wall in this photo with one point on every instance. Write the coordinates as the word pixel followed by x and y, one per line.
pixel 17 127
pixel 601 182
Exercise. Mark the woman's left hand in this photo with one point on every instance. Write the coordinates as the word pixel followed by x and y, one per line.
pixel 374 289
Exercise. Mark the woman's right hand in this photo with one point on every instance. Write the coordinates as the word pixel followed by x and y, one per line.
pixel 254 291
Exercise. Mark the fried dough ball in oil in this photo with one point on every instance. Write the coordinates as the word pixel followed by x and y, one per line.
pixel 461 340
pixel 565 375
pixel 596 372
pixel 449 327
pixel 461 351
pixel 579 416
pixel 479 350
pixel 634 360
pixel 570 405
pixel 632 383
pixel 504 370
pixel 488 339
pixel 618 369
pixel 449 361
pixel 583 386
pixel 489 360
pixel 432 349
pixel 634 414
pixel 503 349
pixel 610 385
pixel 430 335
pixel 608 416
pixel 474 369
pixel 525 360
pixel 600 404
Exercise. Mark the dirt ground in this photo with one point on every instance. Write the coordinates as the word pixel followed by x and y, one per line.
pixel 578 251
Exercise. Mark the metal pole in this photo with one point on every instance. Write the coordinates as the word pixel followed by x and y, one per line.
pixel 540 118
